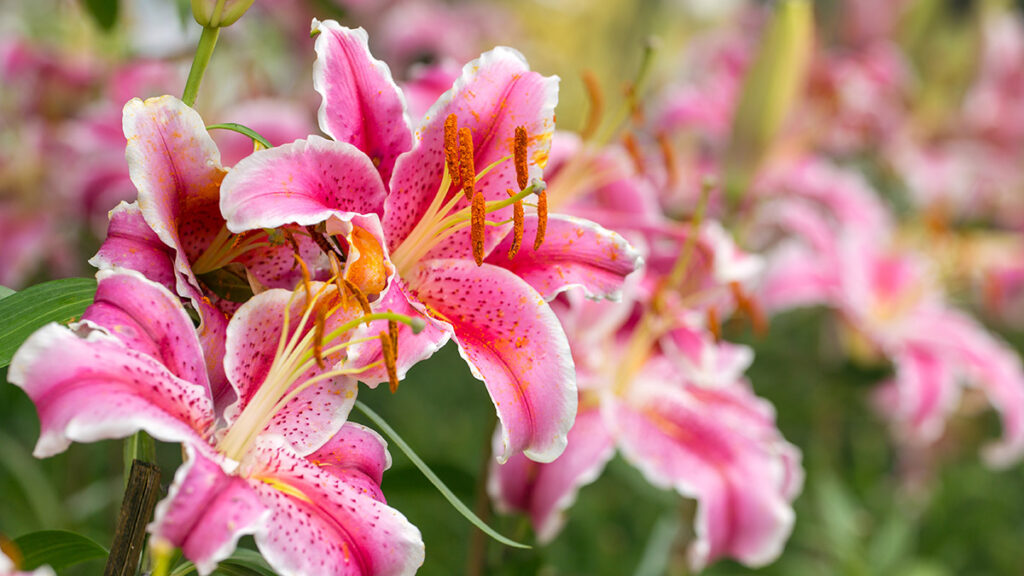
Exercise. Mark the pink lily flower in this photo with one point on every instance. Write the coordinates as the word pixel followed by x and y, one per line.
pixel 715 442
pixel 892 307
pixel 175 233
pixel 450 204
pixel 280 463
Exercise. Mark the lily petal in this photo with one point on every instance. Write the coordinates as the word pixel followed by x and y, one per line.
pixel 207 511
pixel 304 182
pixel 738 471
pixel 361 103
pixel 100 389
pixel 316 413
pixel 514 344
pixel 546 491
pixel 324 526
pixel 150 320
pixel 132 244
pixel 358 456
pixel 494 94
pixel 575 253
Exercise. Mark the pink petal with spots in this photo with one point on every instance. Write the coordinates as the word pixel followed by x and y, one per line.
pixel 207 511
pixel 94 388
pixel 514 343
pixel 719 447
pixel 412 348
pixel 176 168
pixel 305 182
pixel 324 526
pixel 358 456
pixel 275 266
pixel 150 320
pixel 546 491
pixel 494 94
pixel 361 104
pixel 316 413
pixel 575 253
pixel 132 244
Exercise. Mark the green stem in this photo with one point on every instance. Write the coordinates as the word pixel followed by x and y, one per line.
pixel 202 58
pixel 139 446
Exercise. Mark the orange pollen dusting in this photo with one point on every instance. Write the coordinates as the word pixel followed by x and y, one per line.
pixel 542 219
pixel 390 359
pixel 477 226
pixel 518 217
pixel 451 147
pixel 466 166
pixel 520 156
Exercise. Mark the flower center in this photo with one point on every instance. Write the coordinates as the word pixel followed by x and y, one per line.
pixel 447 214
pixel 227 248
pixel 311 345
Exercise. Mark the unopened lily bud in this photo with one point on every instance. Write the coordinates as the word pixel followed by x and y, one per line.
pixel 219 13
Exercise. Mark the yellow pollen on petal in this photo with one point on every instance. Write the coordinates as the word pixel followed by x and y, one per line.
pixel 521 159
pixel 518 222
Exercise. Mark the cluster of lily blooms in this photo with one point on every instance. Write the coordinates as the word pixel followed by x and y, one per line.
pixel 238 310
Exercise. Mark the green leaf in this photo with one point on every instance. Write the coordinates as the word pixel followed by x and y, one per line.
pixel 5 292
pixel 37 489
pixel 444 490
pixel 229 282
pixel 234 127
pixel 24 312
pixel 104 12
pixel 57 549
pixel 243 562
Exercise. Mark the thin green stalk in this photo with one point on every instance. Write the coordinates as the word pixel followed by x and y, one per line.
pixel 204 51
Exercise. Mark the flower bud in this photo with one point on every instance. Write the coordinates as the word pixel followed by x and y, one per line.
pixel 219 13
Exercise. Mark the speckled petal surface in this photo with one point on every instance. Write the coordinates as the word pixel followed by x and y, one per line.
pixel 575 253
pixel 547 491
pixel 206 511
pixel 514 343
pixel 361 104
pixel 358 456
pixel 149 320
pixel 305 182
pixel 494 94
pixel 324 526
pixel 317 412
pixel 99 389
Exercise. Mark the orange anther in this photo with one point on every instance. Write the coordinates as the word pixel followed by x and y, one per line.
pixel 478 224
pixel 451 148
pixel 306 282
pixel 354 290
pixel 668 155
pixel 466 166
pixel 318 336
pixel 714 325
pixel 520 156
pixel 393 333
pixel 629 141
pixel 542 218
pixel 518 217
pixel 596 105
pixel 390 360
